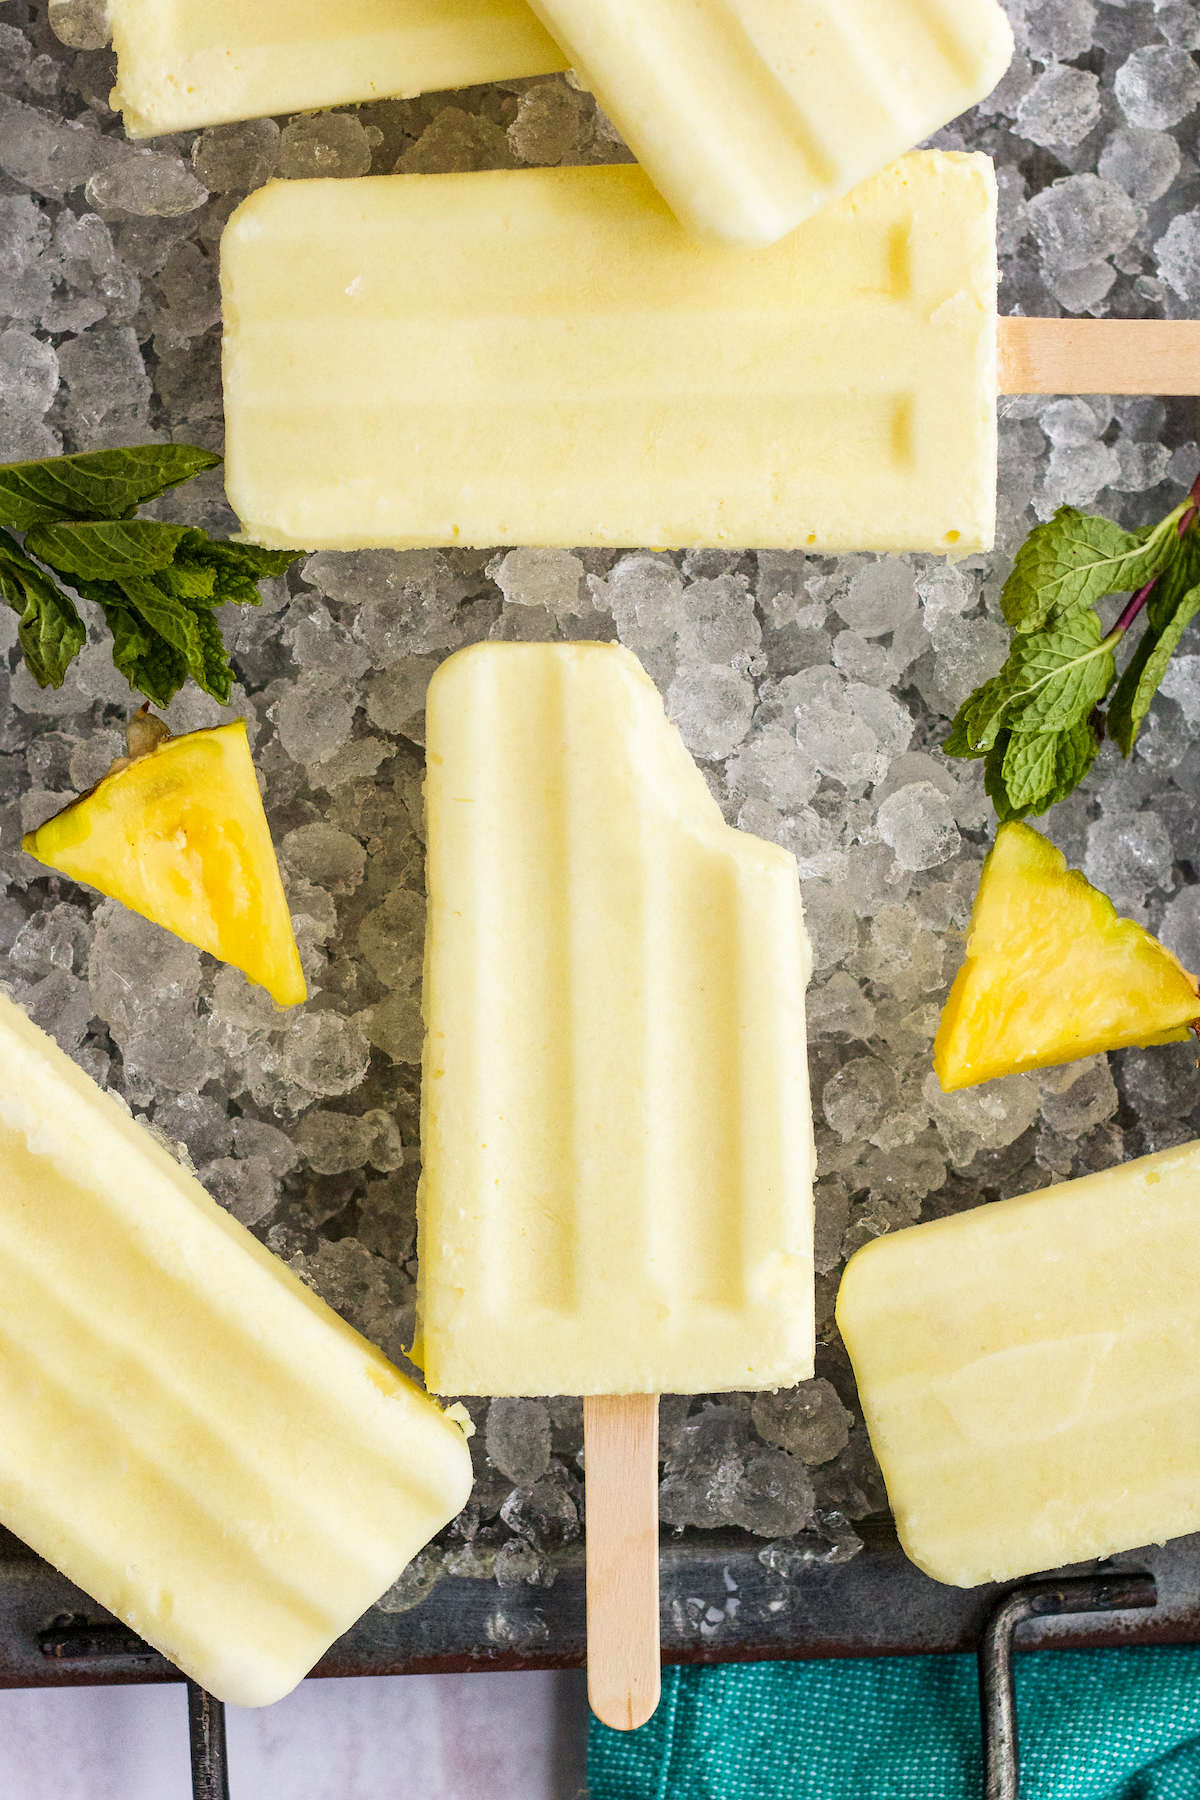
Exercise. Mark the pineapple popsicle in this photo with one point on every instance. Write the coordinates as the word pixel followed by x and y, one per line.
pixel 186 1432
pixel 617 1143
pixel 1030 1372
pixel 185 63
pixel 750 116
pixel 616 1197
pixel 545 357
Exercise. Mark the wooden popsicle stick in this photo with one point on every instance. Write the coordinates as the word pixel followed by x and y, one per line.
pixel 1099 356
pixel 624 1665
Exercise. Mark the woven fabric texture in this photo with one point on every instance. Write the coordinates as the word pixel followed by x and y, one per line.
pixel 1094 1725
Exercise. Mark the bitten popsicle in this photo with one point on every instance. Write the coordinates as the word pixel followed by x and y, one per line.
pixel 186 1431
pixel 618 1156
pixel 1029 1372
pixel 749 116
pixel 544 356
pixel 208 62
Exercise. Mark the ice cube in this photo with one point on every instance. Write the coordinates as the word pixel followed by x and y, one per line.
pixel 1060 29
pixel 335 1141
pixel 81 24
pixel 809 1420
pixel 712 707
pixel 457 141
pixel 147 184
pixel 518 1439
pixel 880 598
pixel 554 579
pixel 1180 929
pixel 233 159
pixel 1178 255
pixel 988 1117
pixel 318 146
pixel 1060 108
pixel 1128 853
pixel 1080 220
pixel 857 1098
pixel 917 823
pixel 773 1497
pixel 1079 1097
pixel 330 858
pixel 414 1583
pixel 1157 86
pixel 554 123
pixel 28 375
pixel 1144 163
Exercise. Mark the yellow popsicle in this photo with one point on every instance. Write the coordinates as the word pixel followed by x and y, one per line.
pixel 185 63
pixel 546 357
pixel 617 1142
pixel 749 116
pixel 1030 1372
pixel 186 1431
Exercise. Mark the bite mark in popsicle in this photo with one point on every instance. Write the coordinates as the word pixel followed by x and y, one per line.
pixel 617 1143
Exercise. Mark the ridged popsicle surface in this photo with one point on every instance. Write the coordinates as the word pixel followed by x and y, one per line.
pixel 544 356
pixel 185 63
pixel 1030 1372
pixel 186 1431
pixel 751 115
pixel 617 1148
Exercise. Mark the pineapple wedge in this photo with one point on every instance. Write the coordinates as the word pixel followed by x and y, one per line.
pixel 177 833
pixel 1052 974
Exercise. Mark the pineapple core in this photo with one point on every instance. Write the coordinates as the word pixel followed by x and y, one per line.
pixel 179 835
pixel 1052 974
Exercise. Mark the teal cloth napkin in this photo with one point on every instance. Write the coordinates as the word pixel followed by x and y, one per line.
pixel 1094 1725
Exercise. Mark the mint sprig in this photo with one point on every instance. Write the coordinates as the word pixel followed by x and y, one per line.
pixel 157 585
pixel 1037 724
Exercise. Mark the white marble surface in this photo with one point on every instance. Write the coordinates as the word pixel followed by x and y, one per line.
pixel 442 1737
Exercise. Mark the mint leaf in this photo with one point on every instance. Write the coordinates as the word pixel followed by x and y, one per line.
pixel 166 614
pixel 1029 768
pixel 101 484
pixel 238 567
pixel 1058 676
pixel 218 676
pixel 994 784
pixel 149 662
pixel 1077 751
pixel 1051 680
pixel 1043 767
pixel 1172 606
pixel 979 717
pixel 146 661
pixel 51 633
pixel 156 584
pixel 109 551
pixel 1074 560
pixel 1027 773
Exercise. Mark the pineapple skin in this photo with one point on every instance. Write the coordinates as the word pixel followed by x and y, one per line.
pixel 1052 973
pixel 180 837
